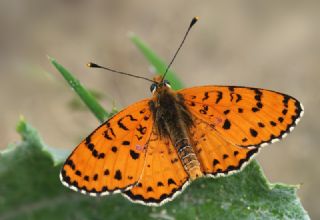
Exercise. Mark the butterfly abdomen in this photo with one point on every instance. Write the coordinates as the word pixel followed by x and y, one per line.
pixel 188 158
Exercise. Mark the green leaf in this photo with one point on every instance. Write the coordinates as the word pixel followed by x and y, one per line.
pixel 83 93
pixel 157 63
pixel 30 189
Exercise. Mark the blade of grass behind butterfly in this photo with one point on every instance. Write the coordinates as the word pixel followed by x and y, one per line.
pixel 98 111
pixel 157 63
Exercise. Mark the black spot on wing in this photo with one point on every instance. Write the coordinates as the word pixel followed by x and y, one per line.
pixel 257 97
pixel 142 111
pixel 219 97
pixel 238 98
pixel 174 160
pixel 88 140
pixel 101 156
pixel 272 123
pixel 215 162
pixel 131 118
pixel 226 112
pixel 204 109
pixel 118 175
pixel 142 130
pixel 244 140
pixel 257 91
pixel 285 100
pixel 171 181
pixel 71 164
pixel 226 124
pixel 111 130
pixel 107 134
pixel 95 153
pixel 126 143
pixel 149 189
pixel 121 125
pixel 255 109
pixel 206 96
pixel 259 105
pixel 134 155
pixel 284 111
pixel 91 147
pixel 253 132
pixel 280 119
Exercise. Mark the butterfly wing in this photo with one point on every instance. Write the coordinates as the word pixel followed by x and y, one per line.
pixel 247 117
pixel 217 156
pixel 163 176
pixel 111 159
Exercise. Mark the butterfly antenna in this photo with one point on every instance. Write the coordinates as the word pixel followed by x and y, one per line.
pixel 194 20
pixel 94 65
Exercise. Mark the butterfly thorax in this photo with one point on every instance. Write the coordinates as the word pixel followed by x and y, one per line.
pixel 173 122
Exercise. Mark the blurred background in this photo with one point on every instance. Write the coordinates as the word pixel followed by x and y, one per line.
pixel 267 44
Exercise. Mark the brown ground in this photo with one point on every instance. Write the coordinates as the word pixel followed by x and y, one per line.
pixel 266 44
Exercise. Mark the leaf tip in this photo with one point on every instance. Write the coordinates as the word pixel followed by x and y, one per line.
pixel 21 124
pixel 22 118
pixel 51 59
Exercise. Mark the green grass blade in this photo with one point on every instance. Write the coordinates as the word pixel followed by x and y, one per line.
pixel 157 63
pixel 100 113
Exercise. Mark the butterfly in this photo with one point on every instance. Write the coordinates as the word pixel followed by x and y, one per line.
pixel 154 148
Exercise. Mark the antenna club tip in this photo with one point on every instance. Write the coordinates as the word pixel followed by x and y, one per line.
pixel 92 65
pixel 194 20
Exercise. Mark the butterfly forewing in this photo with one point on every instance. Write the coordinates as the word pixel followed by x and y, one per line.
pixel 111 159
pixel 247 117
pixel 163 176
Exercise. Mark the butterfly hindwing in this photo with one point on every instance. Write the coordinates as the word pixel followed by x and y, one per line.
pixel 248 117
pixel 163 176
pixel 217 156
pixel 111 159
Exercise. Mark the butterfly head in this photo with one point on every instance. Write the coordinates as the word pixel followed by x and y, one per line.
pixel 159 85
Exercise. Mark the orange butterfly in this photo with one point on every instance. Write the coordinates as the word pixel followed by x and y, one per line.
pixel 151 150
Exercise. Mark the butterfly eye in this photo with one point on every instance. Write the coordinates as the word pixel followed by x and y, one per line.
pixel 153 87
pixel 167 83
